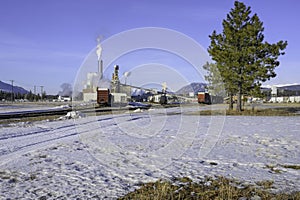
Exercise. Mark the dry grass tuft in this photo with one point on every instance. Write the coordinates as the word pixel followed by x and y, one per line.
pixel 287 111
pixel 296 167
pixel 210 188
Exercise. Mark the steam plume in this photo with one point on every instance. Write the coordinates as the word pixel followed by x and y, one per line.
pixel 66 90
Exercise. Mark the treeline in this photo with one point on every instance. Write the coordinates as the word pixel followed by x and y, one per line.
pixel 7 96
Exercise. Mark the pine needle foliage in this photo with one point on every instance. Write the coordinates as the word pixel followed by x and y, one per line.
pixel 244 59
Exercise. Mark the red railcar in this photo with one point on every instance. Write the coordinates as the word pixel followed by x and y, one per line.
pixel 103 96
pixel 204 98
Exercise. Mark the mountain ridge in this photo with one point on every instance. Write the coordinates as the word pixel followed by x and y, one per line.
pixel 5 87
pixel 194 87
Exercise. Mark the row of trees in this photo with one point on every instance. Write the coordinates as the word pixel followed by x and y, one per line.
pixel 66 91
pixel 29 96
pixel 242 59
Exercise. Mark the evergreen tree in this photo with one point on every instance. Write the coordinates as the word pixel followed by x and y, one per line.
pixel 214 79
pixel 37 97
pixel 19 95
pixel 243 58
pixel 29 96
pixel 1 95
pixel 44 95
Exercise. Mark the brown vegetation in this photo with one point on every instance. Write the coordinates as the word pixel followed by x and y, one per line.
pixel 210 188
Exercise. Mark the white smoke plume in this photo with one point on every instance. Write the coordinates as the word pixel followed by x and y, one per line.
pixel 99 48
pixel 66 90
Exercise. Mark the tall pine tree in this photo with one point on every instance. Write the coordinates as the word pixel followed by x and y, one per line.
pixel 215 83
pixel 241 55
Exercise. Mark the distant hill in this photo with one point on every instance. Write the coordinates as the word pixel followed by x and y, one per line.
pixel 138 92
pixel 5 87
pixel 193 87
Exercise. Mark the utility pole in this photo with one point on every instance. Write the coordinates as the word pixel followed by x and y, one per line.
pixel 42 87
pixel 34 96
pixel 12 91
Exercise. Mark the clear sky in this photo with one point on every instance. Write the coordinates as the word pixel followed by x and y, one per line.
pixel 44 43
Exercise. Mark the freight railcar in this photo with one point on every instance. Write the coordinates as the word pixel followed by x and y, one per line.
pixel 103 96
pixel 204 98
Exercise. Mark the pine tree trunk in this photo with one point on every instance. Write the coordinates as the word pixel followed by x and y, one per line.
pixel 239 99
pixel 230 102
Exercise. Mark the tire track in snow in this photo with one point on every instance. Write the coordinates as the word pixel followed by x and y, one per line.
pixel 16 144
pixel 9 136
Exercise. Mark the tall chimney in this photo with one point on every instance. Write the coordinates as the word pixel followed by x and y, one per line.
pixel 100 68
pixel 99 52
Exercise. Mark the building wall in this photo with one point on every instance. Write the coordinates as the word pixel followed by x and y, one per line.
pixel 293 99
pixel 119 97
pixel 125 89
pixel 88 97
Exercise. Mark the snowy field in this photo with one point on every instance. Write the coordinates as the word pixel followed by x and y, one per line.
pixel 104 157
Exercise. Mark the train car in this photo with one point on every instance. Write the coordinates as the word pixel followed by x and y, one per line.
pixel 204 98
pixel 163 99
pixel 103 96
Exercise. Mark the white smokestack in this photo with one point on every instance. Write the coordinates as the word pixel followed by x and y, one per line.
pixel 100 68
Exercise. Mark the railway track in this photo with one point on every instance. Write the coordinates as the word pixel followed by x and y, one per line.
pixel 20 140
pixel 64 111
pixel 33 113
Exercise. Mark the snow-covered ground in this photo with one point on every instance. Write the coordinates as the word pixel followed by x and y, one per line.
pixel 104 157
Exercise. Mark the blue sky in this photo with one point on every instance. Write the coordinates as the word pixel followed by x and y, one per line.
pixel 44 43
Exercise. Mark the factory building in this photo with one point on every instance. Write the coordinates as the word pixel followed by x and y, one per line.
pixel 289 93
pixel 96 88
pixel 92 80
pixel 120 93
pixel 90 88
